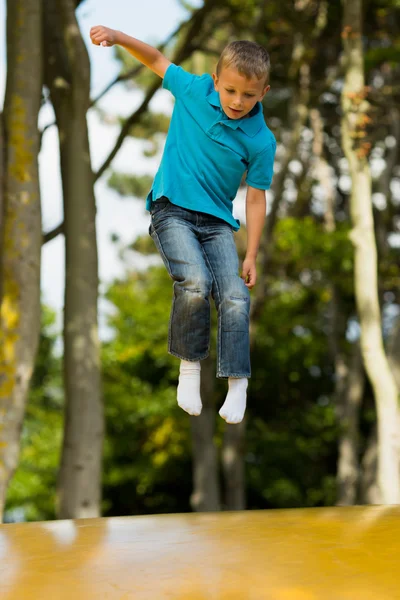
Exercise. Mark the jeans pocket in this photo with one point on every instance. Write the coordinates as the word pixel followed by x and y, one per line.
pixel 159 206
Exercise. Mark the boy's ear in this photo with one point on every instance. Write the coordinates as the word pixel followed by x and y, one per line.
pixel 265 91
pixel 215 78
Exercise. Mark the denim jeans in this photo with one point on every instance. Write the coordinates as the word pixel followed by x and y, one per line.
pixel 200 254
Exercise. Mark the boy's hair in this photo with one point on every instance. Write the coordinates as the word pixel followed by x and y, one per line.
pixel 249 58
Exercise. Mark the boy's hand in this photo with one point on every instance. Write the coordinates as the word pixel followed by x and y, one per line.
pixel 103 36
pixel 249 272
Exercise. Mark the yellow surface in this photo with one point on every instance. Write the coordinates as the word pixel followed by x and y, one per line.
pixel 328 554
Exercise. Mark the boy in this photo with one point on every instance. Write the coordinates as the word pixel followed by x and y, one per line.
pixel 217 133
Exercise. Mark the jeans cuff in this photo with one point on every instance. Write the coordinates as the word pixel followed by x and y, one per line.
pixel 233 375
pixel 202 357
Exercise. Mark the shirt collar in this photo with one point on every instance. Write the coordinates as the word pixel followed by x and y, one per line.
pixel 250 125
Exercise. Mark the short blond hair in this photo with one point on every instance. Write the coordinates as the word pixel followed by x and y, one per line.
pixel 249 58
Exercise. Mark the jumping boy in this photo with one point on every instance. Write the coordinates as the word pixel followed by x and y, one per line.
pixel 217 133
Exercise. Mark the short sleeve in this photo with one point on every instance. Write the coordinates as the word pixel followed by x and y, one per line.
pixel 177 80
pixel 261 168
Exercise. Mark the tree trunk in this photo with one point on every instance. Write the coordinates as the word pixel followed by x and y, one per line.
pixel 68 76
pixel 322 171
pixel 234 467
pixel 354 107
pixel 349 394
pixel 394 352
pixel 20 256
pixel 206 494
pixel 2 196
pixel 369 491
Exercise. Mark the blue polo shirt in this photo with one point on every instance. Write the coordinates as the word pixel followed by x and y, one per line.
pixel 206 153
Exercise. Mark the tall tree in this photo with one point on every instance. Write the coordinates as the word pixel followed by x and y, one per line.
pixel 20 252
pixel 68 78
pixel 2 192
pixel 233 466
pixel 354 119
pixel 206 493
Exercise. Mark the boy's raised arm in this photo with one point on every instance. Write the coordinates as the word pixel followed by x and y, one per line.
pixel 147 55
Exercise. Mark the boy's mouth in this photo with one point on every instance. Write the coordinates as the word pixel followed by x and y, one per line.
pixel 235 111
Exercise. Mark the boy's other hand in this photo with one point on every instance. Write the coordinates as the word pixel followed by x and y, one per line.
pixel 249 272
pixel 103 36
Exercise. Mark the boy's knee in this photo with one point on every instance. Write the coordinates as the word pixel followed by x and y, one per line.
pixel 236 291
pixel 198 285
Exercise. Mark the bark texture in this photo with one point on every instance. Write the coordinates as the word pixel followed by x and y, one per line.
pixel 20 255
pixel 349 394
pixel 233 466
pixel 354 107
pixel 369 491
pixel 2 196
pixel 68 78
pixel 206 493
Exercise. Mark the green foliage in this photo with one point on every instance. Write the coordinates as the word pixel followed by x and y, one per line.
pixel 288 467
pixel 31 494
pixel 291 445
pixel 292 430
pixel 148 439
pixel 377 56
pixel 303 246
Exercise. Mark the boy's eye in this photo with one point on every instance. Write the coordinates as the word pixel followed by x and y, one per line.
pixel 233 91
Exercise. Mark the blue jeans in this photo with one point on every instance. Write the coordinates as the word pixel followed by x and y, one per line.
pixel 200 254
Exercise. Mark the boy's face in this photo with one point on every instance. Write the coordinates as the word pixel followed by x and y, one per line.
pixel 238 94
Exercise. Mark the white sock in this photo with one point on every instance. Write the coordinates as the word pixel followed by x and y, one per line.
pixel 234 406
pixel 189 387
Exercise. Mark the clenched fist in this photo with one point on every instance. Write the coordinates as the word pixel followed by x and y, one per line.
pixel 103 36
pixel 249 272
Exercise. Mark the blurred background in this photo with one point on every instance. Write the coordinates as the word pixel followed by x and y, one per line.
pixel 88 418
